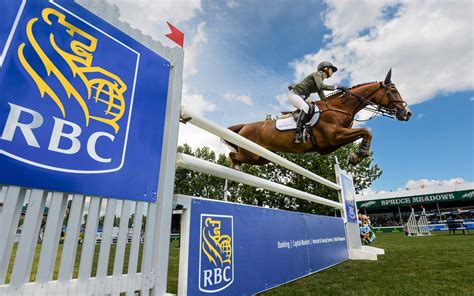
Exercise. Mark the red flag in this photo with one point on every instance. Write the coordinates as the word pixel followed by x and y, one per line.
pixel 175 35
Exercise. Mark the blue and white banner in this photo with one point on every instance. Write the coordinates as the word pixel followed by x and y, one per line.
pixel 348 197
pixel 236 249
pixel 82 105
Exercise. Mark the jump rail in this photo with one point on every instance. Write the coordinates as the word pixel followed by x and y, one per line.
pixel 205 124
pixel 203 166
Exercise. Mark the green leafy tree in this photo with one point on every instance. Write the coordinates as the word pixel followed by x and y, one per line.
pixel 197 184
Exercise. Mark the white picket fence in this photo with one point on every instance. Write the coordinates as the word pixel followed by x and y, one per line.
pixel 60 255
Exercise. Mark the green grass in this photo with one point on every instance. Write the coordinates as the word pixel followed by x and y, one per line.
pixel 172 270
pixel 441 264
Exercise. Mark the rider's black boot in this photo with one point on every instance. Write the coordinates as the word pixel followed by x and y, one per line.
pixel 300 126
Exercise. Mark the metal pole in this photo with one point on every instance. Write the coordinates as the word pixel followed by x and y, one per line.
pixel 225 190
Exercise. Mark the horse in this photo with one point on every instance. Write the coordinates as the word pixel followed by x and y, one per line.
pixel 334 128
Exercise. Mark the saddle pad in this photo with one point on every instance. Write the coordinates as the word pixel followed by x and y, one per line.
pixel 289 123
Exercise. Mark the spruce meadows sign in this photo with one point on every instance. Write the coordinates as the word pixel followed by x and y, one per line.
pixel 419 199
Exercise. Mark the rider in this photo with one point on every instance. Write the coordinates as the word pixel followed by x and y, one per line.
pixel 313 83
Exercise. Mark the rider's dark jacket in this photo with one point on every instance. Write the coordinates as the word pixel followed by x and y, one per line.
pixel 313 83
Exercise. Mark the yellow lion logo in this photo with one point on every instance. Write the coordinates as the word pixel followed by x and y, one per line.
pixel 217 247
pixel 102 86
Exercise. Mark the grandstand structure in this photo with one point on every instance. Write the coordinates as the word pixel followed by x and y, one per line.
pixel 434 205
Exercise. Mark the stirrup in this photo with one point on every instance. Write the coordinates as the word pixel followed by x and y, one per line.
pixel 298 138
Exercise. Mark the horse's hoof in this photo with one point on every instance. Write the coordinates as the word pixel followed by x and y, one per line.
pixel 362 153
pixel 353 159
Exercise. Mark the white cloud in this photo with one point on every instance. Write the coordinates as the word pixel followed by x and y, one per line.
pixel 423 183
pixel 429 44
pixel 193 50
pixel 283 102
pixel 340 17
pixel 229 96
pixel 369 192
pixel 150 16
pixel 196 102
pixel 197 138
pixel 232 3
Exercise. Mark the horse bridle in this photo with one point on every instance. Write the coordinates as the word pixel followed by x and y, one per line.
pixel 390 111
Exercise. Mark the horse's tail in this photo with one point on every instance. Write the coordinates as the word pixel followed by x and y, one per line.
pixel 235 129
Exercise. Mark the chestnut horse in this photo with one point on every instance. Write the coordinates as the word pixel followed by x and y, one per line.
pixel 334 128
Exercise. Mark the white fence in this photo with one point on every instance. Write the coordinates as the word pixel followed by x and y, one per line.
pixel 58 272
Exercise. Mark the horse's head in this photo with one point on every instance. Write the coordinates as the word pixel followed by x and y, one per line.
pixel 390 101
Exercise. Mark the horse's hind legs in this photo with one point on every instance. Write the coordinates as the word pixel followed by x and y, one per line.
pixel 243 156
pixel 236 163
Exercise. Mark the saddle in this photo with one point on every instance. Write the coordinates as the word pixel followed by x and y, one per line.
pixel 296 113
pixel 289 118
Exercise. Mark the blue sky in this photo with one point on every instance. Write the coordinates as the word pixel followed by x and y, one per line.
pixel 241 55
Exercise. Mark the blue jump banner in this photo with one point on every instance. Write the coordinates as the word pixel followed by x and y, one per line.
pixel 82 105
pixel 237 249
pixel 348 195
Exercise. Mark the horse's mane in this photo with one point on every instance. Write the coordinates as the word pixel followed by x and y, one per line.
pixel 338 92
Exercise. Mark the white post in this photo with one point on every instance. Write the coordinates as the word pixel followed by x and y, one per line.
pixel 164 205
pixel 347 197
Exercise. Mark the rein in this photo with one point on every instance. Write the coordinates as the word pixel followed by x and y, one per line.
pixel 373 107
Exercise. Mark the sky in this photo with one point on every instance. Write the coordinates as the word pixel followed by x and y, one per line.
pixel 240 56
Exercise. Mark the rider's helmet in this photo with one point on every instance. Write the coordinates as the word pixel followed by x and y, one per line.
pixel 325 64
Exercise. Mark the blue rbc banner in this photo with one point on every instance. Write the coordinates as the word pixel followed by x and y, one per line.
pixel 82 105
pixel 348 197
pixel 240 250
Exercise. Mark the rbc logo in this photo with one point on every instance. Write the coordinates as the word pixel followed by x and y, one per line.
pixel 348 188
pixel 216 256
pixel 65 102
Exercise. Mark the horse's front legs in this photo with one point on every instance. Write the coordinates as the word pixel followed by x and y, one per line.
pixel 348 135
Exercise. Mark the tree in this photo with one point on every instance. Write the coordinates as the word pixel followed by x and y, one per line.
pixel 197 184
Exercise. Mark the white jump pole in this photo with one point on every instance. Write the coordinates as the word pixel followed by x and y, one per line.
pixel 203 166
pixel 246 144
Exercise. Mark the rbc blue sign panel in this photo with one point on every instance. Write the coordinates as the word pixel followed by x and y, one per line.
pixel 241 250
pixel 348 197
pixel 82 105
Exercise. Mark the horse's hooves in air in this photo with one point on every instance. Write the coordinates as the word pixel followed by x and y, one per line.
pixel 353 159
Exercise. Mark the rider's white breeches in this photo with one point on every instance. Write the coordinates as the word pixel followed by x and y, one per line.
pixel 297 101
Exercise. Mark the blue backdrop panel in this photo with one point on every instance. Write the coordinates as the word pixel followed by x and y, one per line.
pixel 240 250
pixel 82 105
